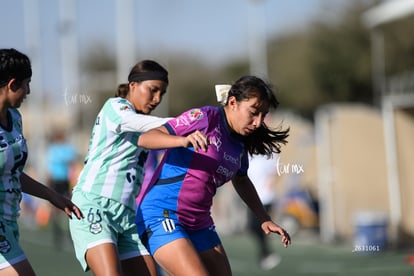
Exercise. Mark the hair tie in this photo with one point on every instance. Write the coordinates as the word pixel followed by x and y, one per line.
pixel 222 92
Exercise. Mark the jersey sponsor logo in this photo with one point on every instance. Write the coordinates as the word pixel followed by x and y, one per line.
pixel 168 225
pixel 4 245
pixel 225 171
pixel 231 159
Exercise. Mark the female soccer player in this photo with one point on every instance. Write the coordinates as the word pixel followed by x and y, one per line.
pixel 173 215
pixel 15 76
pixel 106 240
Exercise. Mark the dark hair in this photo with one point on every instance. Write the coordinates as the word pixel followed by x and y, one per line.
pixel 14 65
pixel 263 140
pixel 123 90
pixel 139 68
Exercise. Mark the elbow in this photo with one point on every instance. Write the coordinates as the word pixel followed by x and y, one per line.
pixel 142 142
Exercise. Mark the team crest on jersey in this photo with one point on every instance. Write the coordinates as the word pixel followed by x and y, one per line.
pixel 168 225
pixel 124 107
pixel 95 228
pixel 196 114
pixel 4 245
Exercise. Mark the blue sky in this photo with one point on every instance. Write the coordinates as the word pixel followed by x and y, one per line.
pixel 213 31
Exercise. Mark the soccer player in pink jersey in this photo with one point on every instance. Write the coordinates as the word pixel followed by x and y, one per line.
pixel 173 214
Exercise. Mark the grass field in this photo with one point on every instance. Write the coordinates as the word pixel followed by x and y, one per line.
pixel 306 256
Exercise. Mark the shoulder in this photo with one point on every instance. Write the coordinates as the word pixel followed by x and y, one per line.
pixel 119 104
pixel 195 116
pixel 116 108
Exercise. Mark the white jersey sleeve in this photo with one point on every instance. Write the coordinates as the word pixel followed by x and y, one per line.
pixel 128 120
pixel 140 123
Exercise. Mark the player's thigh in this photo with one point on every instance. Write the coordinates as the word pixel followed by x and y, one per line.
pixel 20 268
pixel 144 264
pixel 179 257
pixel 94 236
pixel 216 261
pixel 208 244
pixel 133 254
pixel 103 259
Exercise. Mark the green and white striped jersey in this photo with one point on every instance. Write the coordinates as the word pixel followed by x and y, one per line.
pixel 13 156
pixel 114 165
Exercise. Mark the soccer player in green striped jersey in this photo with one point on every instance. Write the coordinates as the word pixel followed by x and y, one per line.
pixel 106 241
pixel 15 76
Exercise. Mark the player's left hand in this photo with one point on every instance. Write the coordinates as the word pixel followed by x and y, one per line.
pixel 271 227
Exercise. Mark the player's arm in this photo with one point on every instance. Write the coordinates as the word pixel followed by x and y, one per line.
pixel 134 122
pixel 35 188
pixel 160 138
pixel 247 192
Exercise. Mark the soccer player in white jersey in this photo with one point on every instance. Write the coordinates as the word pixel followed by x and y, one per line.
pixel 106 241
pixel 15 76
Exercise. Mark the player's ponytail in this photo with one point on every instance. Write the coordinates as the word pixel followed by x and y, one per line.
pixel 123 90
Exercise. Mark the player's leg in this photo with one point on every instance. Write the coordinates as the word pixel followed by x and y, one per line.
pixel 169 244
pixel 20 268
pixel 103 260
pixel 95 237
pixel 209 247
pixel 179 257
pixel 216 261
pixel 145 265
pixel 132 253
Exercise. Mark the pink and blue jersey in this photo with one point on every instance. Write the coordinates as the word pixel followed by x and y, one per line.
pixel 184 187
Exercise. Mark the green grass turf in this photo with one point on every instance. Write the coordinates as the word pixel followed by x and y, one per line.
pixel 45 257
pixel 306 256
